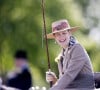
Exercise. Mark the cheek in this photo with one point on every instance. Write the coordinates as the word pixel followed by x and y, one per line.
pixel 67 37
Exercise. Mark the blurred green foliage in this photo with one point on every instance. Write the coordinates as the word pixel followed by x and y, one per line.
pixel 21 27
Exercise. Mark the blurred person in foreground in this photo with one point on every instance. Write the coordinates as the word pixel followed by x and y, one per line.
pixel 74 65
pixel 21 77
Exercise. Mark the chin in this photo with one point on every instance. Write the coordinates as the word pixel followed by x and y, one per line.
pixel 62 45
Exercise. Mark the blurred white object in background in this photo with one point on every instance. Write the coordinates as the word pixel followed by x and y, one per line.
pixel 37 88
pixel 43 88
pixel 32 88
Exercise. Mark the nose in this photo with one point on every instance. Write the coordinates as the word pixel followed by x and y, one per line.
pixel 61 34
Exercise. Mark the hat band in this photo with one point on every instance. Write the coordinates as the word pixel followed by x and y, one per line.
pixel 60 26
pixel 61 30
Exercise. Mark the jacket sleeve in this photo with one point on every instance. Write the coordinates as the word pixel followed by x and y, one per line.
pixel 75 65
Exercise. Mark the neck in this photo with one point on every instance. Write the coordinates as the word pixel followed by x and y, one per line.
pixel 64 47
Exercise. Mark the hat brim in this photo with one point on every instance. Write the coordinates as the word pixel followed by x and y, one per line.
pixel 72 29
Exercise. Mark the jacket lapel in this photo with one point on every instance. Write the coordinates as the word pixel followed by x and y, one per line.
pixel 65 55
pixel 66 59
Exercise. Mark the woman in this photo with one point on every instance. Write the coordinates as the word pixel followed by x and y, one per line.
pixel 74 65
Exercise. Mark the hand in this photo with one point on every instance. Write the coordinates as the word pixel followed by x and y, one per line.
pixel 51 77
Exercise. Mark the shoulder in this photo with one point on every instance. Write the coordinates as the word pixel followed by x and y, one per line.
pixel 77 45
pixel 78 48
pixel 78 51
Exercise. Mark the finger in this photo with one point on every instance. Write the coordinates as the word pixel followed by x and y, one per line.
pixel 49 80
pixel 50 73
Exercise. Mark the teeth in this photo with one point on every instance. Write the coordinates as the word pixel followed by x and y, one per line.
pixel 62 40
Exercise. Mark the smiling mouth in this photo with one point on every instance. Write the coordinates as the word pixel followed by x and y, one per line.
pixel 62 40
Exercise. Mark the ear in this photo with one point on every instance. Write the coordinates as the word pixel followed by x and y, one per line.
pixel 54 37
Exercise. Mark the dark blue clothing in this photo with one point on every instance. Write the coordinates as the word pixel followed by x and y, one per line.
pixel 97 84
pixel 22 81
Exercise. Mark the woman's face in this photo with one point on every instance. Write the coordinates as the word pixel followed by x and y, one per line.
pixel 62 38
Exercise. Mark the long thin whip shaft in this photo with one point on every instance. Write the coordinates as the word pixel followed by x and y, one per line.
pixel 45 34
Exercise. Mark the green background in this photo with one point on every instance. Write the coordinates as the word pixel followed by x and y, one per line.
pixel 21 27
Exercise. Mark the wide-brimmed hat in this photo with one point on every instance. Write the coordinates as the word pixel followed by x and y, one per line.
pixel 59 26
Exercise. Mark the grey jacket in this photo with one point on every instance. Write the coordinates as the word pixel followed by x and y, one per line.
pixel 76 72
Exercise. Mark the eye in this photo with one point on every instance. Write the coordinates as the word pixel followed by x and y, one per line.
pixel 57 34
pixel 64 33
